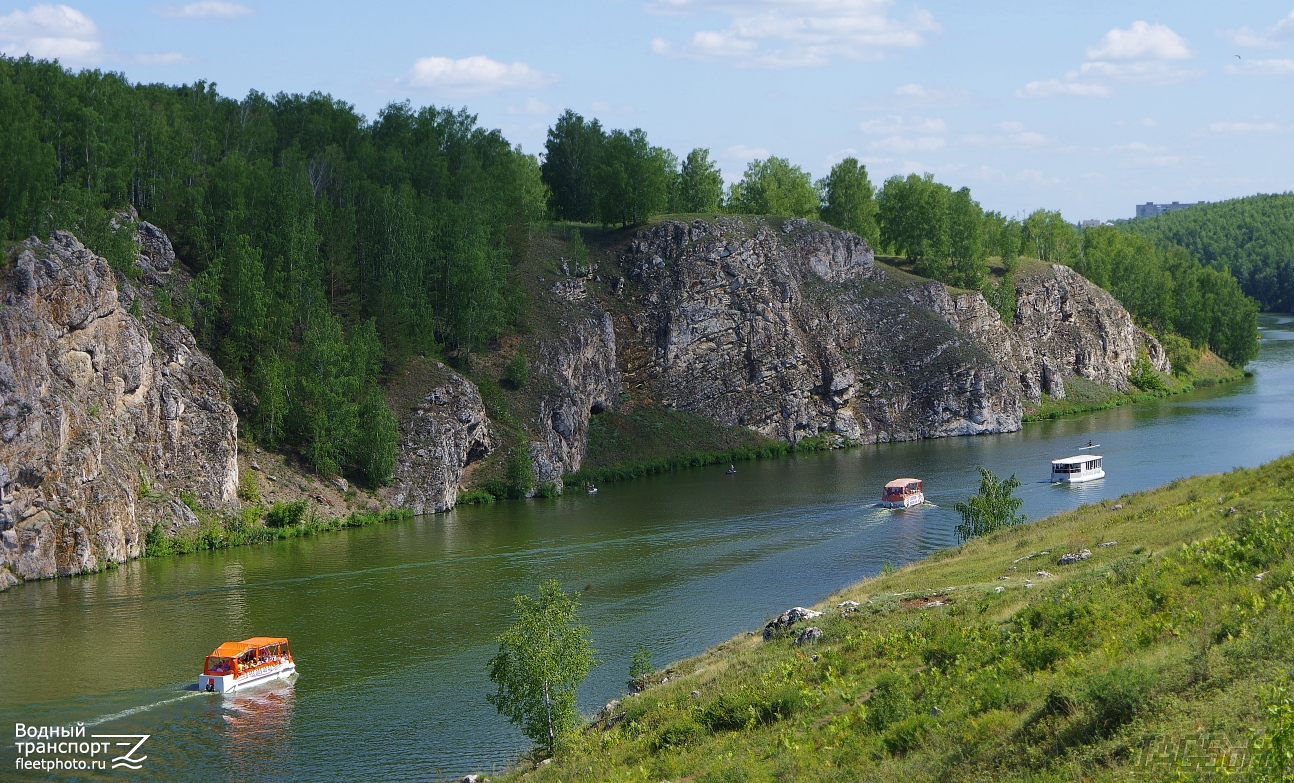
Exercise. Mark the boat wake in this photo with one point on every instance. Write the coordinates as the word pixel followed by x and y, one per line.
pixel 142 708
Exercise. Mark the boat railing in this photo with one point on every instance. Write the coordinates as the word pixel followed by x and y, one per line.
pixel 264 664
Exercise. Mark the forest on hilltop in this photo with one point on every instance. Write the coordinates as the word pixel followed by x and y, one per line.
pixel 1253 237
pixel 322 248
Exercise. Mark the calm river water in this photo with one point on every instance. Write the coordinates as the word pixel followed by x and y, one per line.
pixel 392 625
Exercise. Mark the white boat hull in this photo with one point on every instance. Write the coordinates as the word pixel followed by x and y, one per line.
pixel 907 502
pixel 1077 478
pixel 227 683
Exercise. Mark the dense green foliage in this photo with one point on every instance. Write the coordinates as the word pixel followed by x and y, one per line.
pixel 322 249
pixel 1253 237
pixel 849 200
pixel 947 236
pixel 1170 291
pixel 639 667
pixel 992 509
pixel 774 187
pixel 700 184
pixel 323 246
pixel 542 659
pixel 1159 657
pixel 616 177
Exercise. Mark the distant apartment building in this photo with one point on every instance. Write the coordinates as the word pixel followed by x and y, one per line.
pixel 1150 209
pixel 1094 223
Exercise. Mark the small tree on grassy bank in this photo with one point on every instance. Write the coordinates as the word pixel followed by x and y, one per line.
pixel 541 662
pixel 992 509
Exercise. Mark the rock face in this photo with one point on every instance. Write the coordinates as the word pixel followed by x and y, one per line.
pixel 792 329
pixel 446 432
pixel 577 375
pixel 1066 325
pixel 100 426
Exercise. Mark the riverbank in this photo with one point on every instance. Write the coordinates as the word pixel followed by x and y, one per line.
pixel 1000 659
pixel 1081 396
pixel 644 439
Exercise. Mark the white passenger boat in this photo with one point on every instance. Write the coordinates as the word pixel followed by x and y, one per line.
pixel 235 665
pixel 902 493
pixel 1073 470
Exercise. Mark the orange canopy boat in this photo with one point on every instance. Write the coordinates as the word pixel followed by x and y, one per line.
pixel 235 665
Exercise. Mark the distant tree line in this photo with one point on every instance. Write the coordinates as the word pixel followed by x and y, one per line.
pixel 1252 237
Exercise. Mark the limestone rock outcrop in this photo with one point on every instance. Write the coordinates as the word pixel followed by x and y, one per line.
pixel 576 375
pixel 794 331
pixel 101 425
pixel 440 437
pixel 1067 325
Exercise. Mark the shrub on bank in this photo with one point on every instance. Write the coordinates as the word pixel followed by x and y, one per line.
pixel 251 527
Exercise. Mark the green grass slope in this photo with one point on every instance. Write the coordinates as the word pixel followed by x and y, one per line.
pixel 1157 657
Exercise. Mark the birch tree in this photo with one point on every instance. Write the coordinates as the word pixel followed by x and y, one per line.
pixel 543 657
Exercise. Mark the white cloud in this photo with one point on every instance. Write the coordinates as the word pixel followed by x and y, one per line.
pixel 1135 146
pixel 1150 71
pixel 1141 41
pixel 163 58
pixel 607 107
pixel 1050 87
pixel 911 125
pixel 1156 161
pixel 204 9
pixel 1261 68
pixel 1036 177
pixel 472 76
pixel 51 32
pixel 1273 36
pixel 905 134
pixel 1013 134
pixel 905 144
pixel 795 33
pixel 743 153
pixel 1144 52
pixel 532 107
pixel 1229 128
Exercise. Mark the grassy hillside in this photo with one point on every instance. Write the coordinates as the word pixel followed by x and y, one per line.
pixel 992 661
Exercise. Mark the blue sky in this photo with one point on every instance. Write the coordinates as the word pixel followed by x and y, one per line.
pixel 1087 107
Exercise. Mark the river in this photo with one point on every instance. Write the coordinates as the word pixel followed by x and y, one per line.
pixel 391 625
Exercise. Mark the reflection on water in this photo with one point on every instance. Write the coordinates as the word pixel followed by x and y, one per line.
pixel 392 625
pixel 257 735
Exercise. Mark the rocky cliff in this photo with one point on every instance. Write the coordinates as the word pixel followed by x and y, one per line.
pixel 578 376
pixel 792 329
pixel 442 432
pixel 104 420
